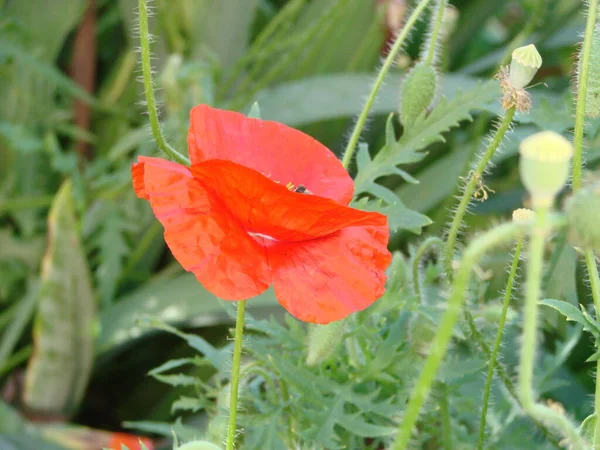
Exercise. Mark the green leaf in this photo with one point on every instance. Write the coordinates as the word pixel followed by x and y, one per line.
pixel 59 370
pixel 587 430
pixel 188 404
pixel 399 216
pixel 10 420
pixel 575 315
pixel 183 432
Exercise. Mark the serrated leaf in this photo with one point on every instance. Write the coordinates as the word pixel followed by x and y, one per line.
pixel 399 216
pixel 573 314
pixel 175 380
pixel 59 371
pixel 187 404
pixel 171 364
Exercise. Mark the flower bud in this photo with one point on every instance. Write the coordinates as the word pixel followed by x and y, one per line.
pixel 524 64
pixel 583 215
pixel 592 88
pixel 544 165
pixel 323 341
pixel 199 445
pixel 417 92
pixel 522 215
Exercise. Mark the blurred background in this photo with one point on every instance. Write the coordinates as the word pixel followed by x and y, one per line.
pixel 75 284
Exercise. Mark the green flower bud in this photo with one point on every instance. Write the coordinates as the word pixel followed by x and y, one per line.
pixel 544 165
pixel 199 445
pixel 524 64
pixel 417 92
pixel 583 214
pixel 522 215
pixel 323 341
pixel 592 91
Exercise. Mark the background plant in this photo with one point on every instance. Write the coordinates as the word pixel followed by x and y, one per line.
pixel 310 65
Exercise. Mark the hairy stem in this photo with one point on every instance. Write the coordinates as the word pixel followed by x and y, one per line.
pixel 472 183
pixel 492 363
pixel 235 375
pixel 536 410
pixel 439 346
pixel 590 261
pixel 416 263
pixel 445 413
pixel 149 88
pixel 387 64
pixel 435 31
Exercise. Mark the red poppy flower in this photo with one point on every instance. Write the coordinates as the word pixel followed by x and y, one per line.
pixel 238 219
pixel 130 441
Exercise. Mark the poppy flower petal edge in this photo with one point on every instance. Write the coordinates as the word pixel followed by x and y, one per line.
pixel 274 149
pixel 325 280
pixel 201 233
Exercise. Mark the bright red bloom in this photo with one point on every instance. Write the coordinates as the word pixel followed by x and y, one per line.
pixel 130 441
pixel 233 221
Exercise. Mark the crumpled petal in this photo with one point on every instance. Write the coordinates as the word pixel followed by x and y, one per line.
pixel 200 231
pixel 281 153
pixel 270 209
pixel 326 279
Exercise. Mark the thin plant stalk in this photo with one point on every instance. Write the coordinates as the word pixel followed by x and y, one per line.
pixel 425 246
pixel 471 185
pixel 149 88
pixel 435 31
pixel 387 64
pixel 592 268
pixel 235 375
pixel 445 413
pixel 537 410
pixel 492 363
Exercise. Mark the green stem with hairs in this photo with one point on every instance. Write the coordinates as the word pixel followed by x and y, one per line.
pixel 492 363
pixel 149 88
pixel 473 181
pixel 582 80
pixel 387 64
pixel 442 338
pixel 416 263
pixel 235 375
pixel 435 31
pixel 590 261
pixel 536 410
pixel 445 413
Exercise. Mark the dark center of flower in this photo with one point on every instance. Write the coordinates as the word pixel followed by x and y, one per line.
pixel 300 189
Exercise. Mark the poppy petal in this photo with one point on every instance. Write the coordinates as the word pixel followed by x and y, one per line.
pixel 327 279
pixel 276 150
pixel 267 208
pixel 200 231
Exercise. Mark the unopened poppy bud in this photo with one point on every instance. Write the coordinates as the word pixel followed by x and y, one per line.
pixel 524 65
pixel 199 445
pixel 592 87
pixel 544 165
pixel 323 341
pixel 583 214
pixel 417 92
pixel 522 215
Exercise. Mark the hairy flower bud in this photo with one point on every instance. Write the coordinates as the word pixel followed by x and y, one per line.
pixel 592 88
pixel 323 341
pixel 524 65
pixel 583 214
pixel 199 445
pixel 417 92
pixel 544 165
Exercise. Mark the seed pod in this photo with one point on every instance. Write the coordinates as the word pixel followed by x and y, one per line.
pixel 323 341
pixel 583 214
pixel 417 92
pixel 524 65
pixel 544 165
pixel 199 445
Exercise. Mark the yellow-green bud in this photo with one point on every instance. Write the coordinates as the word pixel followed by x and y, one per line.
pixel 583 214
pixel 323 341
pixel 544 165
pixel 522 215
pixel 417 92
pixel 524 64
pixel 199 445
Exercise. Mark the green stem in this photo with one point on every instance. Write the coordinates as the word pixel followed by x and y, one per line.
pixel 435 31
pixel 439 346
pixel 149 88
pixel 582 81
pixel 536 410
pixel 492 363
pixel 387 64
pixel 590 261
pixel 445 413
pixel 473 181
pixel 416 263
pixel 235 375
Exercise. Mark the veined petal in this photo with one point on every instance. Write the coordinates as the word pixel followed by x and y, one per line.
pixel 327 279
pixel 201 232
pixel 265 207
pixel 276 150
